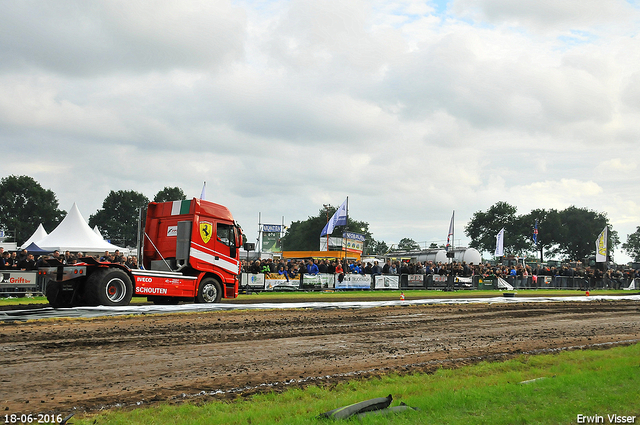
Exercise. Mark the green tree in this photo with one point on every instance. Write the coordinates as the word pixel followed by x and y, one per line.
pixel 549 230
pixel 580 228
pixel 24 204
pixel 484 226
pixel 408 244
pixel 632 246
pixel 374 247
pixel 170 194
pixel 305 235
pixel 118 218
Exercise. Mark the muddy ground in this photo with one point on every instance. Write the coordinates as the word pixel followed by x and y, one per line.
pixel 64 365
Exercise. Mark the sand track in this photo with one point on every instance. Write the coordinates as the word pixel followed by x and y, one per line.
pixel 62 365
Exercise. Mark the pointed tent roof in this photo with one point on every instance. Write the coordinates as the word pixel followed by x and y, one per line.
pixel 97 231
pixel 74 234
pixel 40 233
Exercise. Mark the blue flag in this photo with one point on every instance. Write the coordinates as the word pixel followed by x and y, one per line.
pixel 535 233
pixel 337 219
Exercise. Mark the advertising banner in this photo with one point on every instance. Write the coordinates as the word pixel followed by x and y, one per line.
pixel 274 280
pixel 253 281
pixel 322 280
pixel 352 242
pixel 387 282
pixel 354 281
pixel 415 281
pixel 21 279
pixel 271 241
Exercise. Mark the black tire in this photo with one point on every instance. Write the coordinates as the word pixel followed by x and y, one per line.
pixel 56 297
pixel 109 287
pixel 52 294
pixel 209 291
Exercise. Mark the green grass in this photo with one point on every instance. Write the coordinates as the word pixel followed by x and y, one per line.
pixel 365 295
pixel 586 382
pixel 23 301
pixel 415 294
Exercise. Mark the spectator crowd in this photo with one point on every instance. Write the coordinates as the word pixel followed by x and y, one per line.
pixel 294 268
pixel 24 260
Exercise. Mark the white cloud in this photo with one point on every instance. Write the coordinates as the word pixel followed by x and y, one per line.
pixel 545 15
pixel 411 109
pixel 79 38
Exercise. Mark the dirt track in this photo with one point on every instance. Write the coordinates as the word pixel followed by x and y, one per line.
pixel 61 365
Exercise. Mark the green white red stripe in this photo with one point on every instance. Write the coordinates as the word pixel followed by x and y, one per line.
pixel 180 207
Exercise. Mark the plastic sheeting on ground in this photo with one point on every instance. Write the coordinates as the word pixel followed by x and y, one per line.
pixel 87 312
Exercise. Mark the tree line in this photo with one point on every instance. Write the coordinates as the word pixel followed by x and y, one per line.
pixel 24 204
pixel 568 233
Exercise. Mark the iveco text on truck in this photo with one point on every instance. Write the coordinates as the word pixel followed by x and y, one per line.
pixel 189 252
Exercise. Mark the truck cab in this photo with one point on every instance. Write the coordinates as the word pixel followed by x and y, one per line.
pixel 194 237
pixel 188 252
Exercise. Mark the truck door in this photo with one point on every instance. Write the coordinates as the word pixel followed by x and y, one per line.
pixel 225 239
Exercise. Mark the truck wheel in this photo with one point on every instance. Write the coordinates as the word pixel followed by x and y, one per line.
pixel 109 287
pixel 209 291
pixel 53 288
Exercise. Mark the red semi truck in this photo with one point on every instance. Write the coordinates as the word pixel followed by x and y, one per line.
pixel 189 252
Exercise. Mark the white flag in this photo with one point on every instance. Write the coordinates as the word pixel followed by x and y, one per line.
pixel 450 235
pixel 601 247
pixel 203 194
pixel 500 243
pixel 337 219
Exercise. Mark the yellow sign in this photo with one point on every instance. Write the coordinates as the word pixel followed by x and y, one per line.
pixel 206 230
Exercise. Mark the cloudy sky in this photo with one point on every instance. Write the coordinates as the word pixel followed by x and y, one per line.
pixel 413 109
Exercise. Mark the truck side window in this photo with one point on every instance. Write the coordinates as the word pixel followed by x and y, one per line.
pixel 225 233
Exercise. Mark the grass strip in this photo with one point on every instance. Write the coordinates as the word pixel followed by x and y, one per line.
pixel 540 389
pixel 364 295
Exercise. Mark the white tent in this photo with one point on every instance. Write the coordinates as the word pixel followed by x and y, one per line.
pixel 97 231
pixel 40 233
pixel 74 234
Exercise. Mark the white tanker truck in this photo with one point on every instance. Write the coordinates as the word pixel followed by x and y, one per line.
pixel 438 255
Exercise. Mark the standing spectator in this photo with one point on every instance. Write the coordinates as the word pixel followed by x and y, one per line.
pixel 7 262
pixel 312 267
pixel 386 267
pixel 23 255
pixel 331 268
pixel 283 272
pixel 14 261
pixel 376 269
pixel 42 261
pixel 105 257
pixel 28 263
pixel 322 267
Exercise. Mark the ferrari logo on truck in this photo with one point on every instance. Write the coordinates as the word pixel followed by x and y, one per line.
pixel 206 229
